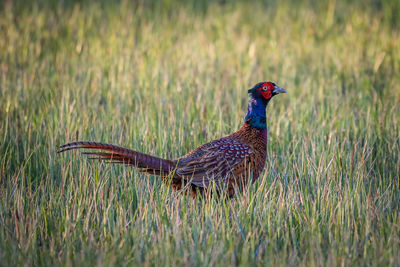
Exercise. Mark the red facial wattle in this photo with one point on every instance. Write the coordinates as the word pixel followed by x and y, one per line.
pixel 266 90
pixel 267 94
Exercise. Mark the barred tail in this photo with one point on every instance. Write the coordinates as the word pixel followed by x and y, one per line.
pixel 116 154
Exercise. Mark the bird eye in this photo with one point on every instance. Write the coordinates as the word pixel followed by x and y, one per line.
pixel 265 88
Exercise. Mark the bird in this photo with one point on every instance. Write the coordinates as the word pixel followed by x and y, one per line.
pixel 228 163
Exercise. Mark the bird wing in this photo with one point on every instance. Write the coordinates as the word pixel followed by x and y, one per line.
pixel 213 161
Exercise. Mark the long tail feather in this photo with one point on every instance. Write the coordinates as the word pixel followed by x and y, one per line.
pixel 120 155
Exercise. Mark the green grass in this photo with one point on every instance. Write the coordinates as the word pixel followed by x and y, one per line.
pixel 164 79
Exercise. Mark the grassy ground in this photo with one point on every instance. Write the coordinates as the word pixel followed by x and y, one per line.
pixel 163 80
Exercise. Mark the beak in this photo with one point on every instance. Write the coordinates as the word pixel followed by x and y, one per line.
pixel 278 90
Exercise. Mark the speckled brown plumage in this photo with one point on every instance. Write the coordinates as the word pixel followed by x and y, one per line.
pixel 229 163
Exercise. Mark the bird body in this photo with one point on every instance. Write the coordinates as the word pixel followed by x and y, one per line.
pixel 229 162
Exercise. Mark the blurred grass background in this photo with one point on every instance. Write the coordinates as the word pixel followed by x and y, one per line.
pixel 163 77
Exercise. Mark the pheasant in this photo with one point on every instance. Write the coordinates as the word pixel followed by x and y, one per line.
pixel 229 162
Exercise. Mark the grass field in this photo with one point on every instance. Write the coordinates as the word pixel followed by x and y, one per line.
pixel 163 77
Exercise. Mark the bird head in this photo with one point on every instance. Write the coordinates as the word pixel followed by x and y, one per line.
pixel 266 90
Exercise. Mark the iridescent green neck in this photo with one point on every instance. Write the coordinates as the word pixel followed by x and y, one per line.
pixel 256 115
